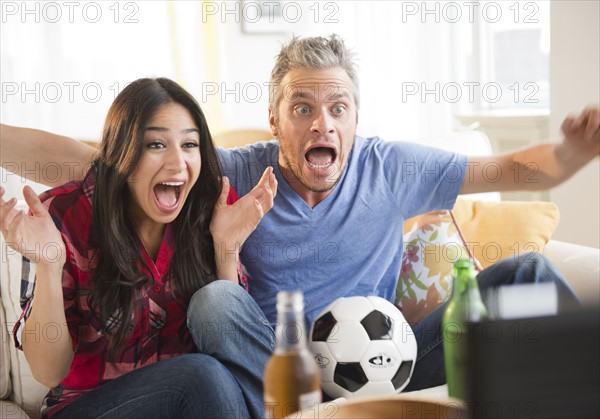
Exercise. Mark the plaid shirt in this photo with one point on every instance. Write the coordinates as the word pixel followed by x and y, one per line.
pixel 159 331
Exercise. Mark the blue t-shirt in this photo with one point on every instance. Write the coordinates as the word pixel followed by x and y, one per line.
pixel 351 242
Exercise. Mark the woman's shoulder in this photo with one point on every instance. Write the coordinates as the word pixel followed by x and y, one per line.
pixel 63 190
pixel 71 204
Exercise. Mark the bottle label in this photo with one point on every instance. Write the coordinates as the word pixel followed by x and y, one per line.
pixel 305 401
pixel 268 412
pixel 308 400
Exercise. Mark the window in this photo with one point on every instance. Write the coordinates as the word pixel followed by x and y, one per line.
pixel 504 55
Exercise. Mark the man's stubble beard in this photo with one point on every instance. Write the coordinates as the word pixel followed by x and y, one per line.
pixel 296 171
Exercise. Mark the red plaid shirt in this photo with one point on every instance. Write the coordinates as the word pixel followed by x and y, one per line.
pixel 160 330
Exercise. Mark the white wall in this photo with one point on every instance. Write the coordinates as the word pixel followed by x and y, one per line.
pixel 575 83
pixel 246 60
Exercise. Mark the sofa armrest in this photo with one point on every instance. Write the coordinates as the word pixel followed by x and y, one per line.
pixel 580 265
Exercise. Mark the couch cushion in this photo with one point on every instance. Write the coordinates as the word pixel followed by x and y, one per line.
pixel 27 392
pixel 5 387
pixel 11 410
pixel 580 265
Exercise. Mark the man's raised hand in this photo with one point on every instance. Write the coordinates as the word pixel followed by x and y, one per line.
pixel 582 132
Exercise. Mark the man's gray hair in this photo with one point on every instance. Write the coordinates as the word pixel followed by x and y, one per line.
pixel 312 53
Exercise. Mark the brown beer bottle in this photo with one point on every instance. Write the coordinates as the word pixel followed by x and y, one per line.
pixel 292 380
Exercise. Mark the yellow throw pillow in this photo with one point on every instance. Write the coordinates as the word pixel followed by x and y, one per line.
pixel 496 230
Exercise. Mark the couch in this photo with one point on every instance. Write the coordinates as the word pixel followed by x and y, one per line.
pixel 20 394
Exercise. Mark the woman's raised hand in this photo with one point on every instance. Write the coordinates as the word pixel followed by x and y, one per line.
pixel 232 224
pixel 33 235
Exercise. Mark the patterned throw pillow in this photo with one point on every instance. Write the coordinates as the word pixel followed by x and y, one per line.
pixel 432 243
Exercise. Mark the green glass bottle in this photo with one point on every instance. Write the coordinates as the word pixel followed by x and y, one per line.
pixel 465 306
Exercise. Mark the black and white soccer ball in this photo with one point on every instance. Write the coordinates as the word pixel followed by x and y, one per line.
pixel 364 347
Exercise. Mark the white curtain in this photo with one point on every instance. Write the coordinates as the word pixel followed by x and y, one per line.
pixel 62 76
pixel 405 66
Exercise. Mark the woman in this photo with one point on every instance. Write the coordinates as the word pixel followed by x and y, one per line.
pixel 119 256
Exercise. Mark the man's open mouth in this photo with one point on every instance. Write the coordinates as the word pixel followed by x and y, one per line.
pixel 320 157
pixel 167 194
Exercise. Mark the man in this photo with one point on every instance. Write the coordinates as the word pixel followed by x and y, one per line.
pixel 336 226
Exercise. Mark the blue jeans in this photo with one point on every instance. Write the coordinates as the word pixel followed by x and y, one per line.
pixel 227 324
pixel 526 268
pixel 223 380
pixel 187 386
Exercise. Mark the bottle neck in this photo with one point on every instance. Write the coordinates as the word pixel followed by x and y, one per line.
pixel 465 284
pixel 289 332
pixel 465 292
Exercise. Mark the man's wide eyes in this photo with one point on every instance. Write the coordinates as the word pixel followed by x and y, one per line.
pixel 338 110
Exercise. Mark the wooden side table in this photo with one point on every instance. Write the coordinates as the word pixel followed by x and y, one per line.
pixel 401 406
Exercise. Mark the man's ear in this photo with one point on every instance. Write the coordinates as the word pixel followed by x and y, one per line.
pixel 272 124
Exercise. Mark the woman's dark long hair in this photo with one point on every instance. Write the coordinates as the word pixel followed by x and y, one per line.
pixel 118 277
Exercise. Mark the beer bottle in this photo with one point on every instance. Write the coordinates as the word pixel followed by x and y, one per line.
pixel 465 305
pixel 292 380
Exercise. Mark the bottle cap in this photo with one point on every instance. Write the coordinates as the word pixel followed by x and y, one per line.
pixel 463 264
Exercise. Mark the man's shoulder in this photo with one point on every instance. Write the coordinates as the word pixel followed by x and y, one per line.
pixel 380 147
pixel 258 148
pixel 376 144
pixel 263 153
pixel 374 147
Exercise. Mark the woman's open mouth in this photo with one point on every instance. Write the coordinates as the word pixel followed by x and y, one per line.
pixel 167 195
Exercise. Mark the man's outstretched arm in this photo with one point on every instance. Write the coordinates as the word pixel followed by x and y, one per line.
pixel 43 157
pixel 541 166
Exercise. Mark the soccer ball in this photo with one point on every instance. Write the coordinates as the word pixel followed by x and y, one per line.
pixel 364 347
